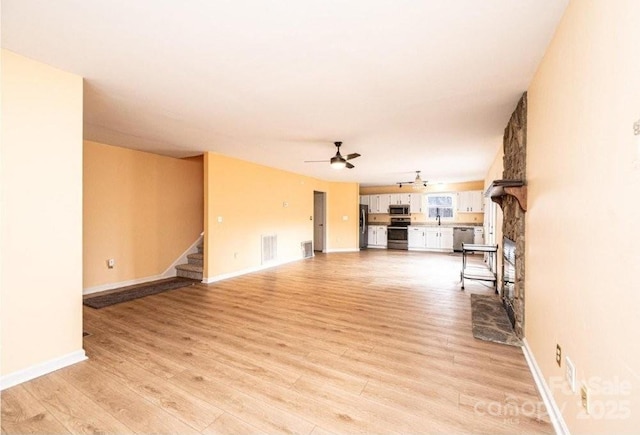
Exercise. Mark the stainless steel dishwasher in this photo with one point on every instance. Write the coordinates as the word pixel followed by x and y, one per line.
pixel 461 235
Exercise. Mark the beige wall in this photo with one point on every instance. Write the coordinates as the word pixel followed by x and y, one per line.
pixel 143 210
pixel 41 224
pixel 342 216
pixel 582 223
pixel 254 200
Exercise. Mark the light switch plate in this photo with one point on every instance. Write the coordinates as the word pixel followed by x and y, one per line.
pixel 570 374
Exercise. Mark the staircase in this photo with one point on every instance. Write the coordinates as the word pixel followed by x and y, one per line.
pixel 193 269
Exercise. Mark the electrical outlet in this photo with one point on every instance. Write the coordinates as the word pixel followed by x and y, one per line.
pixel 570 374
pixel 584 395
pixel 111 263
pixel 558 355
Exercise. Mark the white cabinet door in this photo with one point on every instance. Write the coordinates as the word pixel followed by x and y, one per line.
pixel 476 201
pixel 377 236
pixel 432 238
pixel 478 236
pixel 446 239
pixel 462 204
pixel 416 203
pixel 416 238
pixel 371 235
pixel 364 199
pixel 381 236
pixel 394 198
pixel 383 203
pixel 376 203
pixel 404 198
pixel 470 202
pixel 439 239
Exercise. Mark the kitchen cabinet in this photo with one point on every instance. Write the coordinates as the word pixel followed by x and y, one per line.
pixel 478 236
pixel 439 239
pixel 471 201
pixel 377 236
pixel 416 237
pixel 379 203
pixel 416 203
pixel 399 198
pixel 446 239
pixel 430 238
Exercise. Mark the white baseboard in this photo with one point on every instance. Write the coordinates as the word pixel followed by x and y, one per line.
pixel 555 415
pixel 170 272
pixel 241 272
pixel 35 371
pixel 111 286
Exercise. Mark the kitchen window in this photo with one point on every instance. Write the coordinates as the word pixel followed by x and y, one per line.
pixel 441 204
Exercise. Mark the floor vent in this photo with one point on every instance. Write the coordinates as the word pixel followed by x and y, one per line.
pixel 307 249
pixel 269 248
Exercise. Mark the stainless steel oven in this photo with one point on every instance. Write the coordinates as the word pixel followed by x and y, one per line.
pixel 398 233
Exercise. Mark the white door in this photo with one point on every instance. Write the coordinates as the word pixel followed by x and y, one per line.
pixel 490 221
pixel 319 221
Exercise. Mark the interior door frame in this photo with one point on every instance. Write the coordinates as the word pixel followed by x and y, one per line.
pixel 320 202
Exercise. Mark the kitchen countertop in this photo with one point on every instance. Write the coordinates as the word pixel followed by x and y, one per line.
pixel 434 225
pixel 447 225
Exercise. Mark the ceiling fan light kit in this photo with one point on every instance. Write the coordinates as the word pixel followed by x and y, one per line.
pixel 416 184
pixel 338 161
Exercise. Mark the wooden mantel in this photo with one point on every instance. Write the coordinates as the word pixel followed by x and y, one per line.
pixel 501 188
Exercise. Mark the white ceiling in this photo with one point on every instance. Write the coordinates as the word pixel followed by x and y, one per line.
pixel 411 85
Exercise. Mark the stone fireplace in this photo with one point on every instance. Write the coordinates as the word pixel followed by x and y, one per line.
pixel 510 194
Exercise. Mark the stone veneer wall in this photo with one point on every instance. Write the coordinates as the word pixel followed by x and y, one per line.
pixel 515 166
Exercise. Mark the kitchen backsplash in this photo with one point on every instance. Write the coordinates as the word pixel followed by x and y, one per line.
pixel 421 218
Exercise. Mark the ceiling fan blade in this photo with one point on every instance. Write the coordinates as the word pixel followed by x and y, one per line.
pixel 316 161
pixel 350 166
pixel 352 156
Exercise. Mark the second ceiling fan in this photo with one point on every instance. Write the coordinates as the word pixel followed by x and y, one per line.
pixel 338 161
pixel 418 183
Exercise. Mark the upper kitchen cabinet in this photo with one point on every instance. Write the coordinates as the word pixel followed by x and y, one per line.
pixel 364 199
pixel 471 201
pixel 399 198
pixel 416 203
pixel 379 203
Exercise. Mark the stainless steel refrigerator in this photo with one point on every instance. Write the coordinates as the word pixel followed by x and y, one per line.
pixel 364 215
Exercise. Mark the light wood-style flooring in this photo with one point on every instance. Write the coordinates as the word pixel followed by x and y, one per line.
pixel 371 342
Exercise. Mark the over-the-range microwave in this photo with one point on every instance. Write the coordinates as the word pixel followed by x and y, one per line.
pixel 399 210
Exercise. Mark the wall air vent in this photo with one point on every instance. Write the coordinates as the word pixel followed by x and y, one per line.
pixel 269 248
pixel 307 249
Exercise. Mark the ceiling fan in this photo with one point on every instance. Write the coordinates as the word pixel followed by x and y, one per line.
pixel 418 183
pixel 338 161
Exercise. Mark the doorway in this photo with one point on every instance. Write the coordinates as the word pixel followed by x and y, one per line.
pixel 490 217
pixel 319 221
